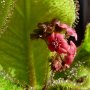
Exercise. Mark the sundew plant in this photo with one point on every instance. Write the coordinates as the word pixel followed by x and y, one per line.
pixel 36 47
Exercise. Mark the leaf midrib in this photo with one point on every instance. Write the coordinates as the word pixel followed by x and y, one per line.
pixel 29 55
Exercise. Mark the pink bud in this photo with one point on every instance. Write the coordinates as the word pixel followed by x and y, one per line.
pixel 69 59
pixel 72 49
pixel 56 65
pixel 70 54
pixel 70 31
pixel 64 26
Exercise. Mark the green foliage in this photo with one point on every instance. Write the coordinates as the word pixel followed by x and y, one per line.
pixel 26 60
pixel 23 59
pixel 8 85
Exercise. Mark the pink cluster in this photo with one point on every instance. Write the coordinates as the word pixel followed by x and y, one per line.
pixel 56 35
pixel 58 42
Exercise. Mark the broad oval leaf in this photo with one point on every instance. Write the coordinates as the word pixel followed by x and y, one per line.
pixel 24 59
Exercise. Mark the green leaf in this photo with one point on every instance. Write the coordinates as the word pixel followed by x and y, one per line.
pixel 24 59
pixel 47 10
pixel 86 44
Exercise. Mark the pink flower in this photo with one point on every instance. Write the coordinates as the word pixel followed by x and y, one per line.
pixel 69 58
pixel 56 42
pixel 56 35
pixel 69 31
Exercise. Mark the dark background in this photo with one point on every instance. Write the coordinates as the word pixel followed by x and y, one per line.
pixel 84 18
